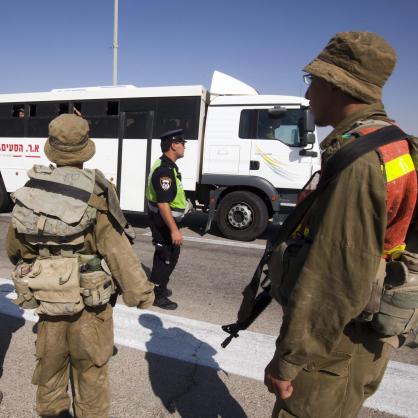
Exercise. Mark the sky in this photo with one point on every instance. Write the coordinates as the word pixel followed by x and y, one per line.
pixel 50 44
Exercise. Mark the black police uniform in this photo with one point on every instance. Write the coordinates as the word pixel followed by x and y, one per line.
pixel 166 254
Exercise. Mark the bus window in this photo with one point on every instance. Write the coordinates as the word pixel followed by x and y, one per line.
pixel 136 125
pixel 19 110
pixel 178 112
pixel 112 108
pixel 64 108
pixel 94 108
pixel 5 110
pixel 10 124
pixel 77 106
pixel 143 104
pixel 40 116
pixel 102 124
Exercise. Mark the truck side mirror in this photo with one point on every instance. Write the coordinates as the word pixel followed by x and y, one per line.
pixel 277 112
pixel 306 126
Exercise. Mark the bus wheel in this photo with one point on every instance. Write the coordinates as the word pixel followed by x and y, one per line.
pixel 241 216
pixel 5 201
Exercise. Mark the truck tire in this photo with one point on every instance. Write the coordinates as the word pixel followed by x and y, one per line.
pixel 5 201
pixel 241 216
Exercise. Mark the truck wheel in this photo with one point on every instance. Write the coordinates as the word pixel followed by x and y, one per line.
pixel 5 201
pixel 241 216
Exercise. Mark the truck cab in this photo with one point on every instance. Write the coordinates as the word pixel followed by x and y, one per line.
pixel 258 152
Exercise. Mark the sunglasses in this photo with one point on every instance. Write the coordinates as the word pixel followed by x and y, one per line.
pixel 307 78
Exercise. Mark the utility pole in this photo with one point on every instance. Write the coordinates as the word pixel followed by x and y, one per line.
pixel 115 46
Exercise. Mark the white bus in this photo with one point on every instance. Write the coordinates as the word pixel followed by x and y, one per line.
pixel 246 157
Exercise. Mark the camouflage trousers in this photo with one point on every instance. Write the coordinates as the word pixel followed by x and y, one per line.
pixel 81 344
pixel 337 386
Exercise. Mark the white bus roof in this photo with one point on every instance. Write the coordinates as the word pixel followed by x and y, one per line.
pixel 107 92
pixel 268 99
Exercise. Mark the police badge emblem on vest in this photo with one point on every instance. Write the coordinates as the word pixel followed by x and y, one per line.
pixel 165 183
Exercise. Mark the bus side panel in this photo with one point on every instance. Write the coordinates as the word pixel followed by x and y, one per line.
pixel 17 156
pixel 134 159
pixel 105 158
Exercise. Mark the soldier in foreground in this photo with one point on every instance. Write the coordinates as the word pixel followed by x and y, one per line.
pixel 71 254
pixel 167 205
pixel 329 358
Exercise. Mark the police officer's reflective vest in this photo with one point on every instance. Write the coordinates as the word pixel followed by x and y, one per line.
pixel 178 204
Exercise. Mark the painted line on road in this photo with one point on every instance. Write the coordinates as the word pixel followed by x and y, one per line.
pixel 228 243
pixel 199 342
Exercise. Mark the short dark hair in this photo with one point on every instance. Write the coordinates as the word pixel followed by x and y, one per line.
pixel 165 146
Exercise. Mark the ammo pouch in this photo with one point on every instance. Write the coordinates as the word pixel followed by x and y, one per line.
pixel 398 310
pixel 96 283
pixel 55 283
pixel 279 264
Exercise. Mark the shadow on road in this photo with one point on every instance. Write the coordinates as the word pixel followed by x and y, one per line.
pixel 191 390
pixel 11 318
pixel 196 222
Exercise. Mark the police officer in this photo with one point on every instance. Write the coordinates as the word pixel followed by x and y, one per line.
pixel 167 204
pixel 67 240
pixel 327 359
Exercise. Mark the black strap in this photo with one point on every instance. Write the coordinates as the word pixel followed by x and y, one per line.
pixel 337 163
pixel 59 188
pixel 364 144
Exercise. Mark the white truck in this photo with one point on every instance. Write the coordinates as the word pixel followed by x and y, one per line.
pixel 247 154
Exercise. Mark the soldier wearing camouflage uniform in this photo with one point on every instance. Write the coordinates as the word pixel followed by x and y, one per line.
pixel 68 242
pixel 326 361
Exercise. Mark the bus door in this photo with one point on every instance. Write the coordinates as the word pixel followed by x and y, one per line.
pixel 134 157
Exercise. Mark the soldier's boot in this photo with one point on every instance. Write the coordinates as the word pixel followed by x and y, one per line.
pixel 162 301
pixel 1 396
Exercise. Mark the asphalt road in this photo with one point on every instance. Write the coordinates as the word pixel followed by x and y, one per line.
pixel 170 364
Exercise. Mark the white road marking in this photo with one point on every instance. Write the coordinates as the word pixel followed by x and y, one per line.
pixel 199 342
pixel 228 243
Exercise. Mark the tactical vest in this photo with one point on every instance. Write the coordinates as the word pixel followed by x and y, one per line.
pixel 178 205
pixel 53 212
pixel 393 306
